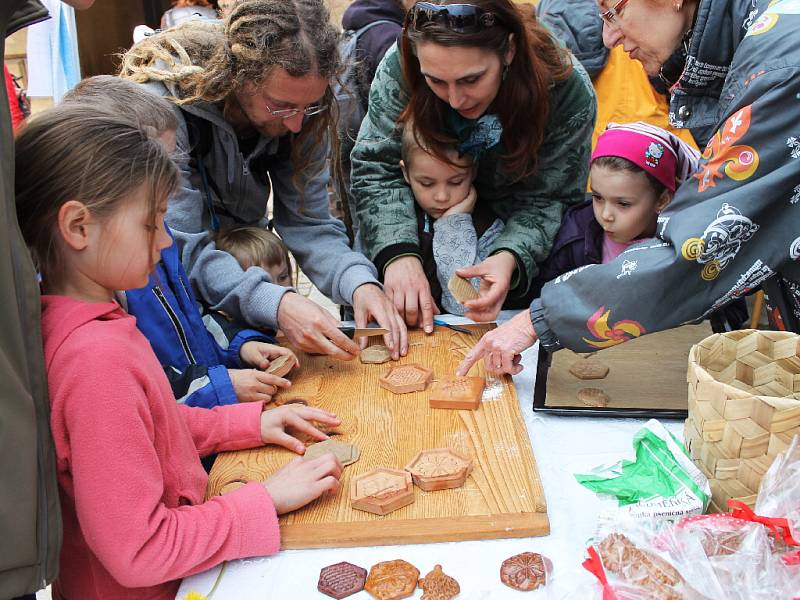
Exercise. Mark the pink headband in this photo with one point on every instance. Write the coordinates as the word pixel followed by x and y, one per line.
pixel 658 152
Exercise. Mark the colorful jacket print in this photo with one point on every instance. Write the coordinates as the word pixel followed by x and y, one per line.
pixel 735 224
pixel 531 208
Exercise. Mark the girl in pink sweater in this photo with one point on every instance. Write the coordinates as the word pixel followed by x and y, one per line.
pixel 131 482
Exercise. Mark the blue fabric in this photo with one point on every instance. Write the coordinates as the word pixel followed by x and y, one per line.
pixel 185 342
pixel 475 136
pixel 67 46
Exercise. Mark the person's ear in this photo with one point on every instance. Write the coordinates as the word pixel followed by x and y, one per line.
pixel 511 50
pixel 73 219
pixel 663 200
pixel 405 171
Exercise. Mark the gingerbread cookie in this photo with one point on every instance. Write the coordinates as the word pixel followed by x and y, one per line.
pixel 392 580
pixel 525 572
pixel 402 379
pixel 375 355
pixel 461 289
pixel 589 368
pixel 281 365
pixel 640 568
pixel 593 397
pixel 341 580
pixel 346 453
pixel 438 586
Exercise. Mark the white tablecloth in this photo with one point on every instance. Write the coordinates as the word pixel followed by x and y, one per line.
pixel 562 446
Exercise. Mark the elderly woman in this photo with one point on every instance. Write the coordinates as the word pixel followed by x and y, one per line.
pixel 733 226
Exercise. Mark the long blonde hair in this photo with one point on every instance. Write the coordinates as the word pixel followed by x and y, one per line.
pixel 89 155
pixel 209 61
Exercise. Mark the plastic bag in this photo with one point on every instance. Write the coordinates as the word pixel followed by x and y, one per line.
pixel 661 482
pixel 629 567
pixel 779 492
pixel 708 557
pixel 723 557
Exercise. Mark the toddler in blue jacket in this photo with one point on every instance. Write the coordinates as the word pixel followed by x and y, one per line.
pixel 204 370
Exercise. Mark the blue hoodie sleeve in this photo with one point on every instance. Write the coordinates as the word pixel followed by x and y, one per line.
pixel 201 386
pixel 229 337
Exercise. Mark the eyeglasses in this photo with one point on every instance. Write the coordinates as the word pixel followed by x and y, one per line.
pixel 610 16
pixel 288 113
pixel 460 18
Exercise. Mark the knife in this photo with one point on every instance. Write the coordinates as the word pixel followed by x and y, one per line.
pixel 357 332
pixel 440 323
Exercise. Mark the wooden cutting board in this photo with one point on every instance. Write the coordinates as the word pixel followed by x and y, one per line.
pixel 502 498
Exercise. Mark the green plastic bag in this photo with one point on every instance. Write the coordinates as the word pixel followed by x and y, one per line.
pixel 661 481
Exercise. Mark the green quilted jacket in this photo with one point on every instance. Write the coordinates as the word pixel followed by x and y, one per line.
pixel 531 207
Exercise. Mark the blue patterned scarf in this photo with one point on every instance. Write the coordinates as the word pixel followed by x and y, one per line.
pixel 475 137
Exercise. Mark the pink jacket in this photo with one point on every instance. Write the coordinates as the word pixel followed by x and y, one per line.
pixel 131 482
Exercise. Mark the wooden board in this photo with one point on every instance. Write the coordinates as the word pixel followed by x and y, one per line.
pixel 502 498
pixel 648 373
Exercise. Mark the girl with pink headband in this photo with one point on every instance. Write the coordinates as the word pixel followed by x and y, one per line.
pixel 635 169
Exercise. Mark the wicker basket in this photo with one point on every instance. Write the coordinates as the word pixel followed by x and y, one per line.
pixel 744 408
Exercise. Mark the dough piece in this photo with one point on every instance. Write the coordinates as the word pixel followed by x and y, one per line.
pixel 439 469
pixel 524 572
pixel 593 397
pixel 589 368
pixel 638 567
pixel 281 365
pixel 461 289
pixel 402 379
pixel 346 453
pixel 392 580
pixel 461 393
pixel 341 580
pixel 438 586
pixel 375 355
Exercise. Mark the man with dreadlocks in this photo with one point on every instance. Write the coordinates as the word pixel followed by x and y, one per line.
pixel 257 115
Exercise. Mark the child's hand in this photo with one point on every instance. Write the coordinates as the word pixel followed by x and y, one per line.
pixel 252 385
pixel 466 206
pixel 260 354
pixel 300 481
pixel 275 422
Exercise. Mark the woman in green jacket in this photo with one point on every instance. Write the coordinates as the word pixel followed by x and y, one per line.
pixel 487 77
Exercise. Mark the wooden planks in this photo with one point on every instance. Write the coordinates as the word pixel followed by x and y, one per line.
pixel 502 497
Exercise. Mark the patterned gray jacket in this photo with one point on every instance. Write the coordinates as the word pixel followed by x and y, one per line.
pixel 734 225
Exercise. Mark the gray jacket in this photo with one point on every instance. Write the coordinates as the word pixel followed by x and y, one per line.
pixel 734 225
pixel 578 25
pixel 318 241
pixel 30 517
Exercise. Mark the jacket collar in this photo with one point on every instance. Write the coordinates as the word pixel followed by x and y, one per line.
pixel 719 27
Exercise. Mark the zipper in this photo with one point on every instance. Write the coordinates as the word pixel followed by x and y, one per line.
pixel 42 497
pixel 175 323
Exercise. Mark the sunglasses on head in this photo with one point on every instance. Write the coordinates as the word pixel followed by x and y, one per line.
pixel 460 18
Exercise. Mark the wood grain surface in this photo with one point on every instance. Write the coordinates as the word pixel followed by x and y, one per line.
pixel 502 497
